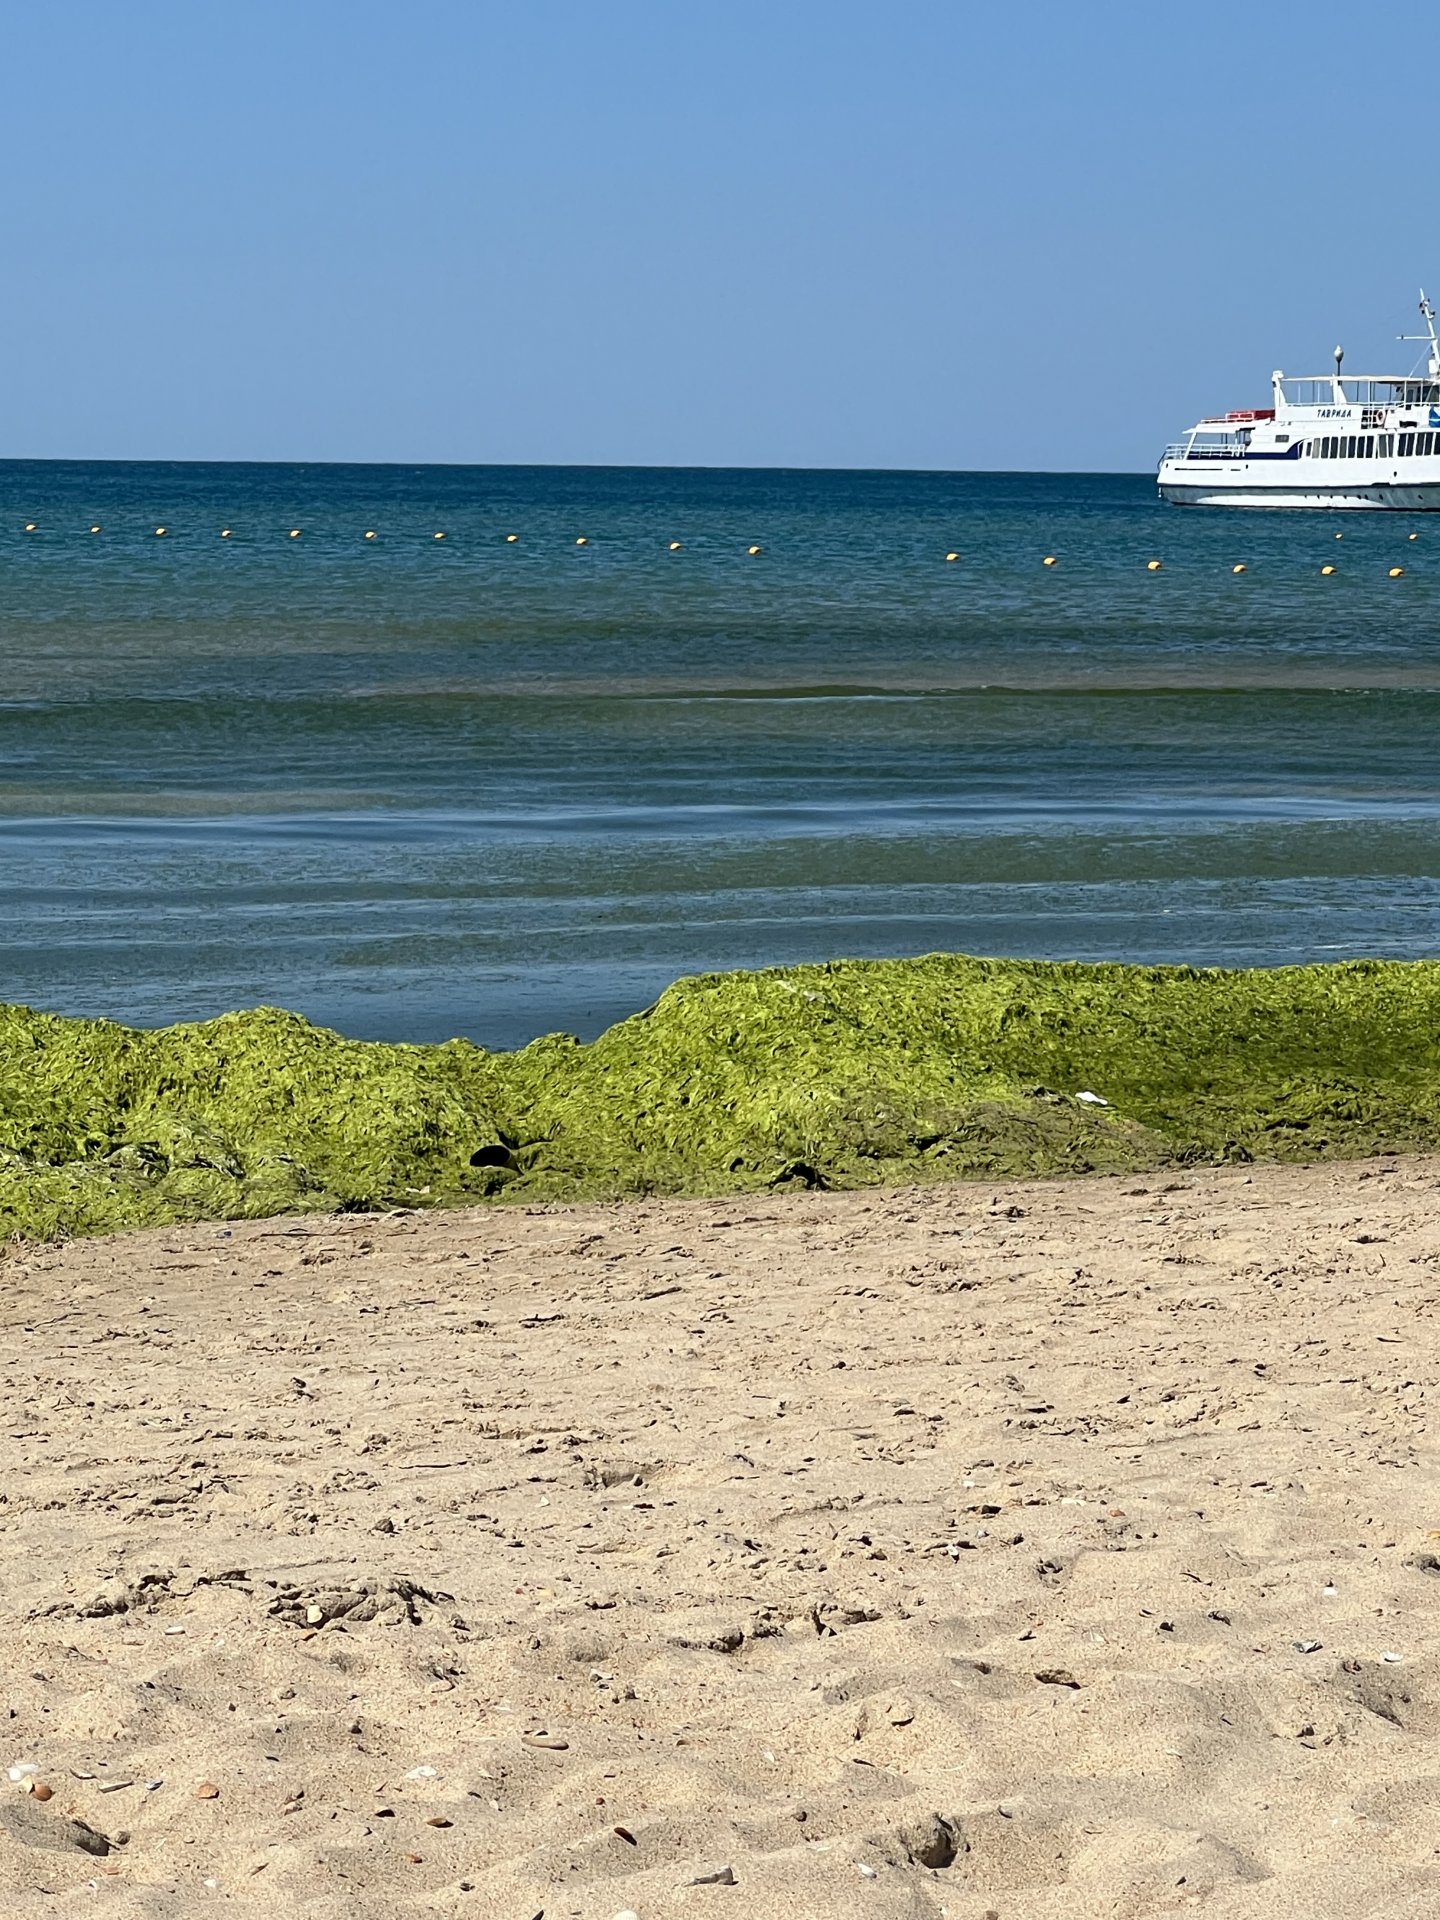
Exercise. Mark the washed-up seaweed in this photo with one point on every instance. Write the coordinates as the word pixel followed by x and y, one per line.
pixel 849 1074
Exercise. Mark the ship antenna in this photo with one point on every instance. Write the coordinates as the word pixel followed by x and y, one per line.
pixel 1427 314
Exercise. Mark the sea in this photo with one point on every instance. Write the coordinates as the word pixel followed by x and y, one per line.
pixel 266 737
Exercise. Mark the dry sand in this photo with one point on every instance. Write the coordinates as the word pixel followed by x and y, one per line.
pixel 1061 1550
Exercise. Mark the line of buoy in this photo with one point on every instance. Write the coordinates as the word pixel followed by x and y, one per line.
pixel 511 539
pixel 678 546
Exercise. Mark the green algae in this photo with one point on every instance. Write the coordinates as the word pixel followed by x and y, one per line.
pixel 851 1074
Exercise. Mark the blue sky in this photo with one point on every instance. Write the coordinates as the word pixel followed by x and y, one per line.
pixel 802 233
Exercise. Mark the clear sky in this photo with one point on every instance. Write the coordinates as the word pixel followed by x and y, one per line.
pixel 922 233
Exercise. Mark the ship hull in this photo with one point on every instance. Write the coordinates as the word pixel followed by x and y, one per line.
pixel 1341 498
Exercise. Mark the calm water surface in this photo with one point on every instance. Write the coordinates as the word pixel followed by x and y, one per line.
pixel 417 787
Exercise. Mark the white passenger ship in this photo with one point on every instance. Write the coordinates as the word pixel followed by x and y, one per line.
pixel 1329 440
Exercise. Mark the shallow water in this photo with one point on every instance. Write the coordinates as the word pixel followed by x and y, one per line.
pixel 414 788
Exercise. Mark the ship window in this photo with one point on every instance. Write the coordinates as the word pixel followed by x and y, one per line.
pixel 1407 445
pixel 1282 439
pixel 1327 446
pixel 1387 446
pixel 1427 443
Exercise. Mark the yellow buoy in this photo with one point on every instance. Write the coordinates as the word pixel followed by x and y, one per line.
pixel 369 533
pixel 295 533
pixel 1395 572
pixel 582 541
pixel 511 538
pixel 1048 561
pixel 1152 566
pixel 1327 569
pixel 158 532
pixel 952 556
pixel 674 546
pixel 752 550
pixel 1239 569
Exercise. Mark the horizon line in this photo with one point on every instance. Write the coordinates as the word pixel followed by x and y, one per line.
pixel 570 466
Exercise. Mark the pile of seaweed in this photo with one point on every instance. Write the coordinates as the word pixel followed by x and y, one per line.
pixel 852 1074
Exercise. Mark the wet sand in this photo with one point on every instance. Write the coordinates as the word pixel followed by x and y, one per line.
pixel 1039 1551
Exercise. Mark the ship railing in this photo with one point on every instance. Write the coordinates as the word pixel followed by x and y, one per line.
pixel 1182 450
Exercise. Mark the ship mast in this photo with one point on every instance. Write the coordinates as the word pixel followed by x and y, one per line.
pixel 1427 313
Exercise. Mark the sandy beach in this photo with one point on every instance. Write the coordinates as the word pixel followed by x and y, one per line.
pixel 1031 1551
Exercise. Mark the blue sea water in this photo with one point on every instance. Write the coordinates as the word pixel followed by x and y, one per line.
pixel 416 787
